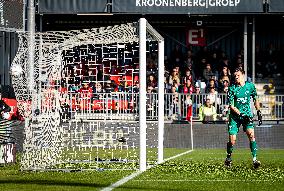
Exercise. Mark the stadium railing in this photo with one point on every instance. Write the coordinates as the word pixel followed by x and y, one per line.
pixel 125 106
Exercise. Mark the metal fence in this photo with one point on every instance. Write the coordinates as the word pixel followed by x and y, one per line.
pixel 125 106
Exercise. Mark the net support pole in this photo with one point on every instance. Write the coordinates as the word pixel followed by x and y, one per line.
pixel 161 98
pixel 246 46
pixel 191 132
pixel 253 50
pixel 31 43
pixel 142 93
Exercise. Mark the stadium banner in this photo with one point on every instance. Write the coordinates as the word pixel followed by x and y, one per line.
pixel 187 6
pixel 276 6
pixel 72 6
pixel 195 37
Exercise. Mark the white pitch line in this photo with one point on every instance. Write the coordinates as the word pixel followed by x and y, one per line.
pixel 133 175
pixel 181 154
pixel 203 180
pixel 122 181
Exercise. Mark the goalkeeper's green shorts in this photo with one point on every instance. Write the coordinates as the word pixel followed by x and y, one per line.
pixel 234 125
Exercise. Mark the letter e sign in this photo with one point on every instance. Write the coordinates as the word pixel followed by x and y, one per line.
pixel 196 37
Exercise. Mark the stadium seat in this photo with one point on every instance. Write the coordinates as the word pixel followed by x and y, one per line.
pixel 97 105
pixel 128 80
pixel 115 78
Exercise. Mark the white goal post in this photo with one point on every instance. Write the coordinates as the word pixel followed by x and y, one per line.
pixel 145 27
pixel 45 123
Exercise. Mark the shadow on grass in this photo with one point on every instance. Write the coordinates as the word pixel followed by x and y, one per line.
pixel 53 183
pixel 72 184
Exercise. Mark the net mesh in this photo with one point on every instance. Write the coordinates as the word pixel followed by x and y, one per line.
pixel 8 19
pixel 50 142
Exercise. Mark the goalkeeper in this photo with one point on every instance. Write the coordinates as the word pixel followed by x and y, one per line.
pixel 239 97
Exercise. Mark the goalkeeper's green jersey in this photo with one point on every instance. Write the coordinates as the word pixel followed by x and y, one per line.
pixel 240 97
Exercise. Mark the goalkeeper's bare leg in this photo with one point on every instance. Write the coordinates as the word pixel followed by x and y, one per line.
pixel 253 147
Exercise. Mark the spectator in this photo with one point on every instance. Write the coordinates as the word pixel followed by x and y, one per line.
pixel 214 99
pixel 86 91
pixel 197 99
pixel 97 91
pixel 239 63
pixel 207 112
pixel 151 111
pixel 188 88
pixel 151 64
pixel 188 76
pixel 224 87
pixel 272 69
pixel 207 72
pixel 214 62
pixel 199 70
pixel 188 103
pixel 177 56
pixel 224 75
pixel 174 113
pixel 259 60
pixel 211 84
pixel 152 81
pixel 189 63
pixel 174 77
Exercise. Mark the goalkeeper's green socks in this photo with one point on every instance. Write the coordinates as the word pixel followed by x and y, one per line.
pixel 253 148
pixel 230 149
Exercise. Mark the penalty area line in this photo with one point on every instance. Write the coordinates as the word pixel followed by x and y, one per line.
pixel 133 175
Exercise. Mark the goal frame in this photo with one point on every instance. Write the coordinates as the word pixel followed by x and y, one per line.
pixel 145 33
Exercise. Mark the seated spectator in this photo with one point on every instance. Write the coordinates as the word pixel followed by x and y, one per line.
pixel 97 91
pixel 189 61
pixel 207 112
pixel 175 88
pixel 188 87
pixel 214 62
pixel 272 69
pixel 152 81
pixel 174 77
pixel 188 76
pixel 211 84
pixel 109 87
pixel 86 91
pixel 224 87
pixel 177 55
pixel 225 74
pixel 151 65
pixel 207 72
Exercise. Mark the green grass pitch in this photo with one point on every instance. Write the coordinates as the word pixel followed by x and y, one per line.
pixel 198 170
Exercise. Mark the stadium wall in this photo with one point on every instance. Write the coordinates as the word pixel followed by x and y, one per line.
pixel 205 136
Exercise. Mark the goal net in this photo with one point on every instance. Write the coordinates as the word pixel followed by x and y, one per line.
pixel 71 121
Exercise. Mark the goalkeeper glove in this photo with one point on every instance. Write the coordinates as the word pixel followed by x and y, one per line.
pixel 259 116
pixel 245 118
